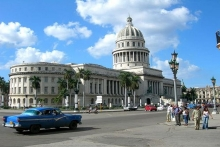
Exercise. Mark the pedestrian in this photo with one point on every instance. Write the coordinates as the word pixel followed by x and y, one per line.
pixel 186 116
pixel 205 118
pixel 177 112
pixel 196 116
pixel 169 110
pixel 90 109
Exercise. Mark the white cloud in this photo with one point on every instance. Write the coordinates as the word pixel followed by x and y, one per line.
pixel 67 31
pixel 186 69
pixel 103 47
pixel 29 55
pixel 158 20
pixel 14 35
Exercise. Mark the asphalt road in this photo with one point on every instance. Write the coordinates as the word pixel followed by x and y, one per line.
pixel 93 125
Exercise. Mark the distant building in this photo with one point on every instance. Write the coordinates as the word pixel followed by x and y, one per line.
pixel 130 54
pixel 205 94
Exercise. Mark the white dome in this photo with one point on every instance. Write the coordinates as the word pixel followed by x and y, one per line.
pixel 129 31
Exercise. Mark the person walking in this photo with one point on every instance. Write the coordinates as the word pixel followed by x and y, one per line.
pixel 169 110
pixel 186 116
pixel 196 116
pixel 205 118
pixel 177 112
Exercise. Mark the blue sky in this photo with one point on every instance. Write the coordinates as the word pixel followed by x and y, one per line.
pixel 84 31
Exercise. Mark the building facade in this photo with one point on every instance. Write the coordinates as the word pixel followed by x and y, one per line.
pixel 130 54
pixel 206 94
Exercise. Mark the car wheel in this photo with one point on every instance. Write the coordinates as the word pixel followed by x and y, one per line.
pixel 19 130
pixel 35 129
pixel 73 125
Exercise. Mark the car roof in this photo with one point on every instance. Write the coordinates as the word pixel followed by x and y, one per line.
pixel 41 108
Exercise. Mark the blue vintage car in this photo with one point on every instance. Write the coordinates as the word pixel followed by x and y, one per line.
pixel 34 119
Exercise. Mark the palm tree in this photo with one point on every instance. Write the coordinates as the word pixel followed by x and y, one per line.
pixel 193 93
pixel 35 83
pixel 62 83
pixel 125 81
pixel 62 86
pixel 135 80
pixel 67 76
pixel 85 75
pixel 4 88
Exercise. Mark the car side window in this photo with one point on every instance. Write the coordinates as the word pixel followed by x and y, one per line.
pixel 47 112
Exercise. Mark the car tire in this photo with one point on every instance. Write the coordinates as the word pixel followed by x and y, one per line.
pixel 35 129
pixel 19 130
pixel 73 125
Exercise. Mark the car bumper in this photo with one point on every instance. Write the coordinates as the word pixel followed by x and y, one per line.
pixel 13 125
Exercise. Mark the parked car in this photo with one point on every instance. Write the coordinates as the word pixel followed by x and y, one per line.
pixel 34 119
pixel 130 108
pixel 150 108
pixel 191 106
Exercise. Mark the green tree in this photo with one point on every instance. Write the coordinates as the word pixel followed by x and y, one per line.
pixel 193 94
pixel 125 81
pixel 135 80
pixel 68 74
pixel 35 83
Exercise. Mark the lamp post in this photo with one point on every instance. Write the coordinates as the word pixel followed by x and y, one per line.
pixel 214 109
pixel 174 66
pixel 218 39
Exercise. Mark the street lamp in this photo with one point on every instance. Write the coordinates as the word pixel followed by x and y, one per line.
pixel 174 66
pixel 214 109
pixel 218 39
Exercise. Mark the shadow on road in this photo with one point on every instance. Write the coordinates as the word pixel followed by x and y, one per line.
pixel 57 131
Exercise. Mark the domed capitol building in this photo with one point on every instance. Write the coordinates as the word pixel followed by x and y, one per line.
pixel 130 55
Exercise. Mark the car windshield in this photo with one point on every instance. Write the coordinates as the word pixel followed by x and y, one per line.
pixel 32 112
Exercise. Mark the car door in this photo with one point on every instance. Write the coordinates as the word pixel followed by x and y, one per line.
pixel 47 120
pixel 60 119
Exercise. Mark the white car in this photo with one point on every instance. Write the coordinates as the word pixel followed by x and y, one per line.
pixel 160 108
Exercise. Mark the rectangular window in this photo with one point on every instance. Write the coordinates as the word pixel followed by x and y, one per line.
pixel 52 90
pixel 19 69
pixel 19 80
pixel 15 69
pixel 32 91
pixel 32 68
pixel 45 89
pixel 25 79
pixel 39 68
pixel 25 90
pixel 25 69
pixel 46 79
pixel 100 90
pixel 90 87
pixel 46 68
pixel 52 79
pixel 133 43
pixel 19 90
pixel 53 68
pixel 15 80
pixel 15 90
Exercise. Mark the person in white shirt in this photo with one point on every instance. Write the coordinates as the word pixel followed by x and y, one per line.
pixel 169 111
